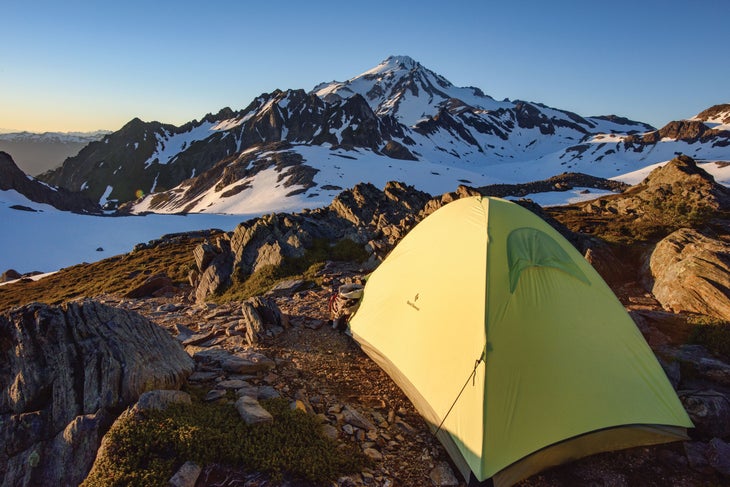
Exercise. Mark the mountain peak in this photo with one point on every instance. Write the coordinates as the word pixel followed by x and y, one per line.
pixel 392 63
pixel 402 87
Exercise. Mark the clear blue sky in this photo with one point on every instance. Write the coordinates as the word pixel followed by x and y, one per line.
pixel 75 65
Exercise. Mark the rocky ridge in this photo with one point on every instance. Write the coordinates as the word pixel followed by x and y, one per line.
pixel 12 178
pixel 398 111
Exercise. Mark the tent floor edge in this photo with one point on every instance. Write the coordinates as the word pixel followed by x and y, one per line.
pixel 601 441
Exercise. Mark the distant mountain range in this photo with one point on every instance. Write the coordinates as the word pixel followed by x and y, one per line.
pixel 398 121
pixel 35 153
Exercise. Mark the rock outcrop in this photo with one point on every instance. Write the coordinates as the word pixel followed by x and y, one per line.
pixel 363 214
pixel 67 372
pixel 688 271
pixel 677 192
pixel 11 177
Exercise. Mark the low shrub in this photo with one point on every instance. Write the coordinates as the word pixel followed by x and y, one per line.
pixel 146 449
pixel 711 333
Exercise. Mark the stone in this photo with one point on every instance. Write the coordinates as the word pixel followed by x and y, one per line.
pixel 215 395
pixel 690 272
pixel 248 363
pixel 252 412
pixel 268 392
pixel 286 287
pixel 261 317
pixel 203 376
pixel 696 452
pixel 709 410
pixel 330 431
pixel 443 475
pixel 298 405
pixel 71 369
pixel 353 417
pixel 404 427
pixel 232 384
pixel 215 276
pixel 183 332
pixel 204 255
pixel 186 476
pixel 153 284
pixel 373 454
pixel 702 364
pixel 249 391
pixel 199 338
pixel 718 456
pixel 161 399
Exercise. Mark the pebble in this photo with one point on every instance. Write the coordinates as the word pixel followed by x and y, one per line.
pixel 215 395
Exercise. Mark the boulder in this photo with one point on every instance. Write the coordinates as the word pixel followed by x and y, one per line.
pixel 152 286
pixel 689 271
pixel 215 277
pixel 710 412
pixel 67 371
pixel 261 318
pixel 701 365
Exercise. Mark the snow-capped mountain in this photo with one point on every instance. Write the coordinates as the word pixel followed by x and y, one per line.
pixel 398 121
pixel 38 152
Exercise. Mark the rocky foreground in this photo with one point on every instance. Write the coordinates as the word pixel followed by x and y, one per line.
pixel 281 346
pixel 69 371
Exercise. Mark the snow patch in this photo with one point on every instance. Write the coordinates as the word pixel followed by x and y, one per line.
pixel 76 237
pixel 104 198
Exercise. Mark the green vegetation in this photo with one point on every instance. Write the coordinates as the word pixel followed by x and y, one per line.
pixel 711 333
pixel 146 449
pixel 115 275
pixel 658 218
pixel 307 267
pixel 663 216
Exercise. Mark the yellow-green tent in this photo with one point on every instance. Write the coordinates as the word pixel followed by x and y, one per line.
pixel 511 345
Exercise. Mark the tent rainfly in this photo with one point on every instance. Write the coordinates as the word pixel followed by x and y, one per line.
pixel 510 344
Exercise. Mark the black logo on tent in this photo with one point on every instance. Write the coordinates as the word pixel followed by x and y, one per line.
pixel 413 303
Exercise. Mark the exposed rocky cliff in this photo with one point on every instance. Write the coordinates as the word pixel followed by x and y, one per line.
pixel 67 371
pixel 12 178
pixel 362 215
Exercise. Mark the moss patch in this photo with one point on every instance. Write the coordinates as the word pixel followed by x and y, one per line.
pixel 146 449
